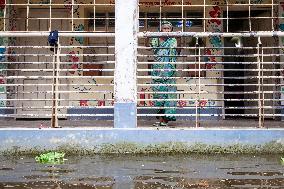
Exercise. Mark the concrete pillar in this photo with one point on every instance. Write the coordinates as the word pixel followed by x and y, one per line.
pixel 125 82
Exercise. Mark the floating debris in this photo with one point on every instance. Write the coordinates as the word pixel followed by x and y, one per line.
pixel 51 158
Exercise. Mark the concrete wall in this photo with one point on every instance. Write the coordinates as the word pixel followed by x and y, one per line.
pixel 102 140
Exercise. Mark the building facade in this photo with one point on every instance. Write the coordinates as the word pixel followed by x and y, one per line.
pixel 229 64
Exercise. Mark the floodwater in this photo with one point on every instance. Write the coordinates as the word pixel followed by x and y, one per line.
pixel 145 172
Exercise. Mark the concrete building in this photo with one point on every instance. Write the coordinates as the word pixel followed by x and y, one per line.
pixel 228 70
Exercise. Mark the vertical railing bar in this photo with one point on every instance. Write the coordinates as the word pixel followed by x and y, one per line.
pixel 17 88
pixel 160 15
pixel 94 19
pixel 5 13
pixel 272 15
pixel 53 88
pixel 275 58
pixel 204 15
pixel 199 80
pixel 262 87
pixel 72 15
pixel 107 23
pixel 25 66
pixel 258 82
pixel 223 91
pixel 50 4
pixel 260 124
pixel 56 60
pixel 28 11
pixel 197 96
pixel 57 82
pixel 227 15
pixel 249 16
pixel 182 15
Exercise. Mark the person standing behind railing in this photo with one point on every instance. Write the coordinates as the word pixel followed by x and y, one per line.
pixel 165 52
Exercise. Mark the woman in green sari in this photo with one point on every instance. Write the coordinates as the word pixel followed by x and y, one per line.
pixel 164 87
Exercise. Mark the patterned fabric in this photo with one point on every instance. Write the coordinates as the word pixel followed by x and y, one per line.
pixel 165 52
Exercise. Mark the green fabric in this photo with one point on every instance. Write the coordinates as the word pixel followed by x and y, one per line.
pixel 166 52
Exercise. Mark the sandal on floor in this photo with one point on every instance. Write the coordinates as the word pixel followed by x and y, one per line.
pixel 160 124
pixel 156 124
pixel 163 124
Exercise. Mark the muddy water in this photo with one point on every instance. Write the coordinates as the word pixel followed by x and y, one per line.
pixel 145 172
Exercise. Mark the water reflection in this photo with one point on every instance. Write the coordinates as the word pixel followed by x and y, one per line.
pixel 145 172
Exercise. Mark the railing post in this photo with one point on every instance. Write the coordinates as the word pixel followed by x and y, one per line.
pixel 197 105
pixel 125 78
pixel 260 84
pixel 281 58
pixel 55 89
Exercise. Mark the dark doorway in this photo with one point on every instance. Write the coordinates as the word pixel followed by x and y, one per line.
pixel 234 94
pixel 233 68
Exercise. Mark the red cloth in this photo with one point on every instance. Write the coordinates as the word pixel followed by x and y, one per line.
pixel 2 4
